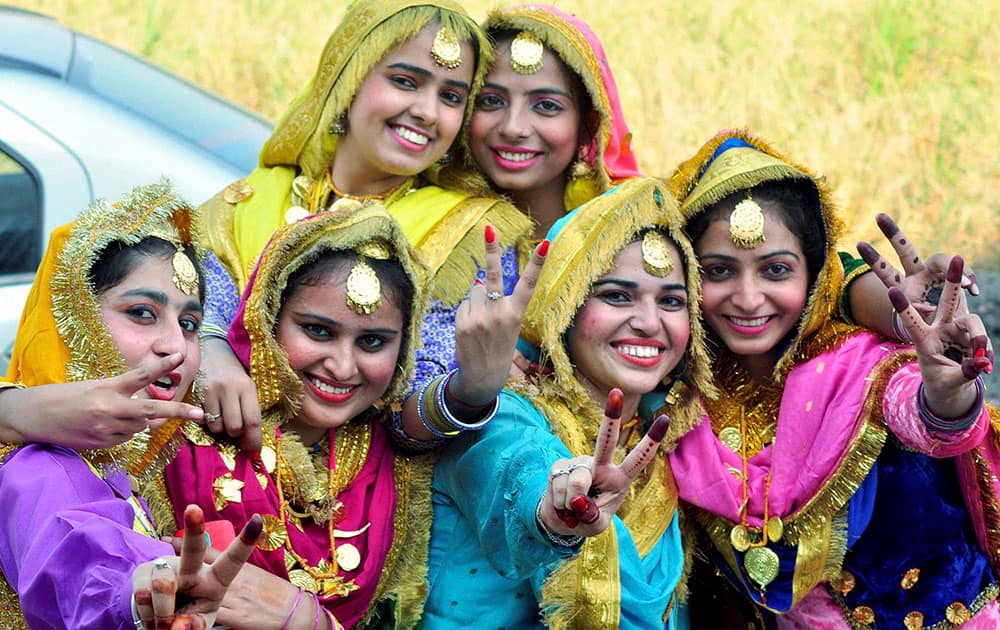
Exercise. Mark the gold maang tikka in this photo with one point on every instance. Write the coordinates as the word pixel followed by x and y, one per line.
pixel 656 254
pixel 446 49
pixel 364 290
pixel 746 224
pixel 185 275
pixel 526 53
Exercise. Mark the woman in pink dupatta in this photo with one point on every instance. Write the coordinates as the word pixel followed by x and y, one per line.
pixel 326 328
pixel 844 481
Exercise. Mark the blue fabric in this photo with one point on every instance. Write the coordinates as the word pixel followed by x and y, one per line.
pixel 488 560
pixel 221 295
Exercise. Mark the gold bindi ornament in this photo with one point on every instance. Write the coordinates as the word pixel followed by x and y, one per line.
pixel 746 224
pixel 364 291
pixel 446 49
pixel 185 276
pixel 656 254
pixel 526 53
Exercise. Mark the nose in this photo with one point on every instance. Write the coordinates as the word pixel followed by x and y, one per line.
pixel 170 339
pixel 341 362
pixel 748 296
pixel 646 317
pixel 515 123
pixel 425 105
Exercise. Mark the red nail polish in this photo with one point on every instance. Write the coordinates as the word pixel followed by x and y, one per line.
pixel 491 235
pixel 613 408
pixel 659 428
pixel 980 353
pixel 479 282
pixel 568 518
pixel 585 508
pixel 543 249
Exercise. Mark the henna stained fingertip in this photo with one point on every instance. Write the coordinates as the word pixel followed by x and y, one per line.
pixel 954 273
pixel 613 408
pixel 659 428
pixel 868 253
pixel 898 299
pixel 251 532
pixel 887 225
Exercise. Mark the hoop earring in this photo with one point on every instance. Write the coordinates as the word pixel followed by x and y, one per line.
pixel 338 127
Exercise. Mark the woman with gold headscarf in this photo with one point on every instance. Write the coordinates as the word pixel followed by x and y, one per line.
pixel 376 122
pixel 528 529
pixel 548 128
pixel 844 480
pixel 326 328
pixel 117 287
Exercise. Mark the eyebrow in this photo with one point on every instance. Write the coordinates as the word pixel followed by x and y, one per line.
pixel 780 252
pixel 628 284
pixel 427 74
pixel 543 90
pixel 162 300
pixel 335 324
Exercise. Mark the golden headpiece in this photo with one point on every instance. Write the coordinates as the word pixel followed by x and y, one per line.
pixel 364 291
pixel 746 224
pixel 446 49
pixel 526 52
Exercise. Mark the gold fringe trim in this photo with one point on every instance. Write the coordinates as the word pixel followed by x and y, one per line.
pixel 11 617
pixel 845 305
pixel 411 582
pixel 987 483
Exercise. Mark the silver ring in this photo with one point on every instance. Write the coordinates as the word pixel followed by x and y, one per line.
pixel 494 295
pixel 160 563
pixel 559 472
pixel 212 418
pixel 576 465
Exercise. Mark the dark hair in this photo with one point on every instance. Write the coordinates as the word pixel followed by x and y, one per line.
pixel 800 213
pixel 118 260
pixel 395 283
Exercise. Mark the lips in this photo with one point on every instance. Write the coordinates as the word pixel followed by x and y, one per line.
pixel 749 325
pixel 165 387
pixel 330 391
pixel 513 158
pixel 644 353
pixel 410 138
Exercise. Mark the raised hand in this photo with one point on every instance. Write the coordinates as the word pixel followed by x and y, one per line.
pixel 952 348
pixel 183 592
pixel 231 404
pixel 93 414
pixel 921 281
pixel 585 492
pixel 487 326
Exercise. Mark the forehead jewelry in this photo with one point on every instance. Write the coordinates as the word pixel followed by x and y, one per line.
pixel 185 275
pixel 746 224
pixel 446 50
pixel 656 254
pixel 526 53
pixel 364 291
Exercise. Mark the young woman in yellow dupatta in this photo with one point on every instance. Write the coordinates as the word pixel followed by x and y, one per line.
pixel 376 122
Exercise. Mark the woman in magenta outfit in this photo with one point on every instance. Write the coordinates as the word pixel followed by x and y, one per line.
pixel 844 481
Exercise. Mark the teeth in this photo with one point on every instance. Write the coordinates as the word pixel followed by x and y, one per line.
pixel 749 323
pixel 643 352
pixel 516 157
pixel 165 383
pixel 329 389
pixel 412 136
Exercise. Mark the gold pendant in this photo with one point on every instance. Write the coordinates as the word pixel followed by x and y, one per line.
pixel 740 538
pixel 227 490
pixel 761 565
pixel 731 439
pixel 303 580
pixel 348 557
pixel 774 529
pixel 364 291
pixel 335 587
pixel 238 191
pixel 526 52
pixel 446 50
pixel 746 224
pixel 656 254
pixel 274 535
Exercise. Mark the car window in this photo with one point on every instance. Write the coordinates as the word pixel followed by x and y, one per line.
pixel 20 219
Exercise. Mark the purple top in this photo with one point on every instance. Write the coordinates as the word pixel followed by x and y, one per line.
pixel 67 545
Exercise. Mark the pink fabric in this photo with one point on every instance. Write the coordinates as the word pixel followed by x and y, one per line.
pixel 820 414
pixel 619 160
pixel 369 499
pixel 818 611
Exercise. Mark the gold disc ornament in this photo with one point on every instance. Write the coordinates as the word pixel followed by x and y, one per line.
pixel 185 275
pixel 656 254
pixel 731 438
pixel 274 535
pixel 446 49
pixel 746 224
pixel 364 291
pixel 762 565
pixel 526 52
pixel 348 557
pixel 740 538
pixel 303 580
pixel 774 529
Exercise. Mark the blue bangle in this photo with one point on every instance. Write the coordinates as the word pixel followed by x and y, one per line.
pixel 951 424
pixel 450 418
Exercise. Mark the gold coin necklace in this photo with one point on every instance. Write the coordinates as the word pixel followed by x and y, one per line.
pixel 760 562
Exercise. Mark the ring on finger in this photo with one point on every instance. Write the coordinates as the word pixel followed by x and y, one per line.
pixel 161 563
pixel 560 471
pixel 577 465
pixel 212 418
pixel 494 296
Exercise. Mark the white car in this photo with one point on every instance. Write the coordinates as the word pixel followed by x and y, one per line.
pixel 82 120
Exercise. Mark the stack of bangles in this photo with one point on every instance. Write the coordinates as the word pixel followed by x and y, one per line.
pixel 320 610
pixel 433 408
pixel 948 425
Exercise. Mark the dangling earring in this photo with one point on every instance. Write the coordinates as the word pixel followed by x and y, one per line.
pixel 445 159
pixel 581 169
pixel 338 127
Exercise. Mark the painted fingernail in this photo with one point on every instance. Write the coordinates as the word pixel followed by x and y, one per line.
pixel 887 225
pixel 251 532
pixel 659 428
pixel 543 249
pixel 898 299
pixel 980 353
pixel 568 518
pixel 491 235
pixel 613 408
pixel 868 253
pixel 973 285
pixel 585 509
pixel 479 282
pixel 954 274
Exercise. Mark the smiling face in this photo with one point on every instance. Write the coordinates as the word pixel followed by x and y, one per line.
pixel 525 129
pixel 405 116
pixel 149 317
pixel 346 360
pixel 752 298
pixel 632 330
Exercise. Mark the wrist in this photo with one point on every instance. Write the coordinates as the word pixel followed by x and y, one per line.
pixel 9 431
pixel 944 414
pixel 440 418
pixel 560 540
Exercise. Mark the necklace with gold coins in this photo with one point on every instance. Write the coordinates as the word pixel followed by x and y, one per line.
pixel 308 484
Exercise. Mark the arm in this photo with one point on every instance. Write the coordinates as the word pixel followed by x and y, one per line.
pixel 66 543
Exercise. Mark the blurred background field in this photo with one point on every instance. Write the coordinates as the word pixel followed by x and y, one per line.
pixel 894 101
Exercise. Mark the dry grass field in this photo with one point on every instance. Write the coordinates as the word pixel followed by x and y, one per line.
pixel 895 101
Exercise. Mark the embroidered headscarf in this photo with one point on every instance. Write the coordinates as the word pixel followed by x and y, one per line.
pixel 609 152
pixel 301 147
pixel 736 160
pixel 584 246
pixel 62 335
